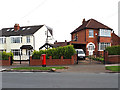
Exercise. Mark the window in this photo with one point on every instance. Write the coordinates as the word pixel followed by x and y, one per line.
pixel 16 52
pixel 2 40
pixel 91 33
pixel 28 39
pixel 75 37
pixel 16 39
pixel 105 33
pixel 1 50
pixel 102 46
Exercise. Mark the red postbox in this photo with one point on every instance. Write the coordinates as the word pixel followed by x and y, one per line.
pixel 43 60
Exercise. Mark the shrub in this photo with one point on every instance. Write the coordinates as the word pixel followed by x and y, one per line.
pixel 56 53
pixel 5 55
pixel 113 50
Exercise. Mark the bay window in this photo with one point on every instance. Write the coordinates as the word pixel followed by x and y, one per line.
pixel 105 33
pixel 16 52
pixel 2 50
pixel 102 46
pixel 16 39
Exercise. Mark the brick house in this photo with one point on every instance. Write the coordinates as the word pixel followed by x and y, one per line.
pixel 93 37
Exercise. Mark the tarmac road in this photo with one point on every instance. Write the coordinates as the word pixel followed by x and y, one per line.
pixel 59 80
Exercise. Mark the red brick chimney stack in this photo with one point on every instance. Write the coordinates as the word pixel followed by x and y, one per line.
pixel 83 21
pixel 16 27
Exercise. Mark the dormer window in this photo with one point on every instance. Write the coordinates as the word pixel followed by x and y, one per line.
pixel 105 33
pixel 91 33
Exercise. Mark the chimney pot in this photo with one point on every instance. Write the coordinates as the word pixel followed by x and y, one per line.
pixel 83 21
pixel 16 27
pixel 65 40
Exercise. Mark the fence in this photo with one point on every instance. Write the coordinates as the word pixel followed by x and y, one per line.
pixel 111 59
pixel 50 61
pixel 6 62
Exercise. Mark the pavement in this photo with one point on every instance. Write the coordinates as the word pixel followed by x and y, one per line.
pixel 84 66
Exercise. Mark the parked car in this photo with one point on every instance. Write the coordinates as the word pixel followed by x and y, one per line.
pixel 81 53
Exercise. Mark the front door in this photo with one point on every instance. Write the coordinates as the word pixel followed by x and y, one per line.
pixel 91 48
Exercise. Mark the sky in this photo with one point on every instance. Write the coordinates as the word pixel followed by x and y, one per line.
pixel 63 16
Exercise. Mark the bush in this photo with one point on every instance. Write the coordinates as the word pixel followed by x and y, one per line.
pixel 113 50
pixel 56 53
pixel 5 55
pixel 101 59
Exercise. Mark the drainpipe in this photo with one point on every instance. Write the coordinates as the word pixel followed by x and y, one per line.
pixel 33 42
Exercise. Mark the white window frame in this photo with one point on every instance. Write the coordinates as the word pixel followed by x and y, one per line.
pixel 28 39
pixel 12 39
pixel 104 46
pixel 92 31
pixel 14 51
pixel 3 40
pixel 1 50
pixel 105 33
pixel 89 46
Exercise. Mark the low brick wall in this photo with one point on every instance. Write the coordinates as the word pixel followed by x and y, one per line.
pixel 5 62
pixel 111 59
pixel 50 61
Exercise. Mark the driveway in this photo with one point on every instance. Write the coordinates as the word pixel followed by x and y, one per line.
pixel 86 66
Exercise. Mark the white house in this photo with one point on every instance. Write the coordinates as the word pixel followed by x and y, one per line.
pixel 23 40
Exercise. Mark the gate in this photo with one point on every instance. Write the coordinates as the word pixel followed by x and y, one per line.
pixel 21 59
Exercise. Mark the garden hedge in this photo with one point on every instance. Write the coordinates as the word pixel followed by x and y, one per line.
pixel 5 55
pixel 56 53
pixel 113 50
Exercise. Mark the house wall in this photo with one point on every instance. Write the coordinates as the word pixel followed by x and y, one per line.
pixel 81 36
pixel 115 39
pixel 40 37
pixel 85 38
pixel 8 45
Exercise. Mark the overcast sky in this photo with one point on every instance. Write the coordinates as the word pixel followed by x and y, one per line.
pixel 63 16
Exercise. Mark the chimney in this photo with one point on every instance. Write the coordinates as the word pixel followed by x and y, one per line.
pixel 16 27
pixel 65 40
pixel 83 21
pixel 113 31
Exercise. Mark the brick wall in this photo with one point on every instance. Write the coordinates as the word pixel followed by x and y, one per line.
pixel 50 61
pixel 113 59
pixel 115 39
pixel 5 62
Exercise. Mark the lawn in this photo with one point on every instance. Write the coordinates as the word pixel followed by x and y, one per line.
pixel 113 68
pixel 37 68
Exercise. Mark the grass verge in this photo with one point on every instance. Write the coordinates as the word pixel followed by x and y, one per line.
pixel 113 68
pixel 37 68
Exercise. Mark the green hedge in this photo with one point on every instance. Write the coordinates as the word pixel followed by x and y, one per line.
pixel 113 50
pixel 56 53
pixel 5 55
